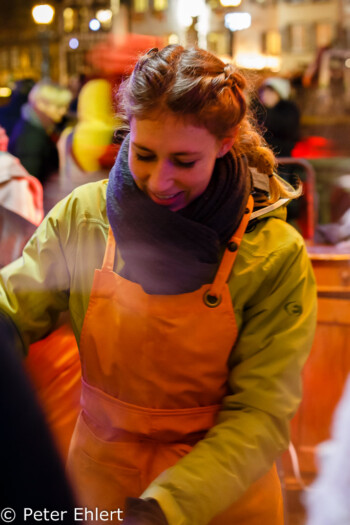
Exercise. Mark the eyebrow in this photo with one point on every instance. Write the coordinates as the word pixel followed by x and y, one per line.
pixel 177 153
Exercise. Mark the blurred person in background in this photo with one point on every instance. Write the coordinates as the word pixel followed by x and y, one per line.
pixel 33 139
pixel 11 112
pixel 192 301
pixel 277 116
pixel 21 204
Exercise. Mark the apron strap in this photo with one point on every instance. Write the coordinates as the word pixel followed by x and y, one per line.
pixel 108 260
pixel 230 254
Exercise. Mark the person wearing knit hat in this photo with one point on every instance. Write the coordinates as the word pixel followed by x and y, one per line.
pixel 278 117
pixel 33 139
pixel 279 121
pixel 280 85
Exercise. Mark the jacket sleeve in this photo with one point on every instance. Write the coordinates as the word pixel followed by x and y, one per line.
pixel 34 289
pixel 252 429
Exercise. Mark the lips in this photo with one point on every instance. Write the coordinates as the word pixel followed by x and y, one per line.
pixel 164 197
pixel 170 200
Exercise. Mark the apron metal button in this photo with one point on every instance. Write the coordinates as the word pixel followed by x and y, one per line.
pixel 211 300
pixel 232 246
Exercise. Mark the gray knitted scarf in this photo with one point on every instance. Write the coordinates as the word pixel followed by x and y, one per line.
pixel 170 252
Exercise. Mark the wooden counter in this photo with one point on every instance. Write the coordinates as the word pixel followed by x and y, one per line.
pixel 327 368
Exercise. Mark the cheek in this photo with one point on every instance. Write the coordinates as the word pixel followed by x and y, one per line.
pixel 132 166
pixel 204 173
pixel 137 172
pixel 198 181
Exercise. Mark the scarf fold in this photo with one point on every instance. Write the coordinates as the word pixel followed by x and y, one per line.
pixel 170 252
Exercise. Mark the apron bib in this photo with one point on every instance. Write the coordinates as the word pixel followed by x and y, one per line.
pixel 154 373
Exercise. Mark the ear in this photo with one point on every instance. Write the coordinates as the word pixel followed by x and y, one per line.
pixel 226 144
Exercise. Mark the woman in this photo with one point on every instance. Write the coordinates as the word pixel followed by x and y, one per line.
pixel 191 346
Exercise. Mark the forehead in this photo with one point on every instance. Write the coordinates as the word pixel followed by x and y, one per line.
pixel 169 131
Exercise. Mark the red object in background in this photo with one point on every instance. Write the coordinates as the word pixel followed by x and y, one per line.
pixel 118 53
pixel 315 148
pixel 108 158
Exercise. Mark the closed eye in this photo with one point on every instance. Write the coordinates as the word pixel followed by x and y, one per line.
pixel 176 162
pixel 182 164
pixel 145 158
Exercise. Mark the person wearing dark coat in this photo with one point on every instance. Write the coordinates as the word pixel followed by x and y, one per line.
pixel 277 116
pixel 33 137
pixel 32 475
pixel 278 119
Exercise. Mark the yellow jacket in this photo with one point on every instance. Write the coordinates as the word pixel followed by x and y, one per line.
pixel 274 296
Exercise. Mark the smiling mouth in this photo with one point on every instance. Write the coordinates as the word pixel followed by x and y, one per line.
pixel 165 197
pixel 166 200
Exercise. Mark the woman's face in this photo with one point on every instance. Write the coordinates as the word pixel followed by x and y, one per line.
pixel 171 160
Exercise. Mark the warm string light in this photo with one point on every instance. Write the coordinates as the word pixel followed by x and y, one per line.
pixel 43 13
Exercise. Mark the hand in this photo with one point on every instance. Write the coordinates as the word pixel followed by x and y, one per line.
pixel 140 511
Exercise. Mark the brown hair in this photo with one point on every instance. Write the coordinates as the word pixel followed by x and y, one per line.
pixel 198 87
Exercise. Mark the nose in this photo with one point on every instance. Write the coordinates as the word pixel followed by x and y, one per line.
pixel 161 177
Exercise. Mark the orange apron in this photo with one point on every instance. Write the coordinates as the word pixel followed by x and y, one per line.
pixel 53 365
pixel 154 373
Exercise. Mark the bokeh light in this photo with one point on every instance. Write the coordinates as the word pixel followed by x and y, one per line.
pixel 43 14
pixel 74 43
pixel 94 24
